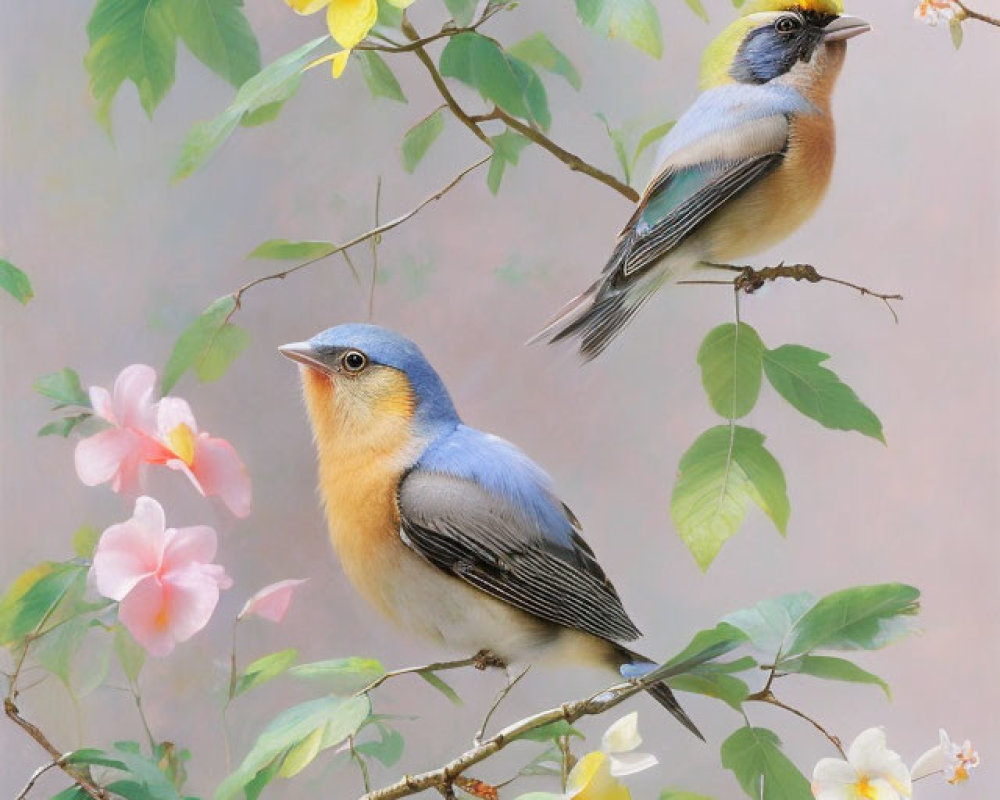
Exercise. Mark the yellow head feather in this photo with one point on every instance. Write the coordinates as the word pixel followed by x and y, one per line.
pixel 719 54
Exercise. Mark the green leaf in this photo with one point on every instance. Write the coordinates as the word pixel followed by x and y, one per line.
pixel 681 794
pixel 768 623
pixel 131 654
pixel 955 29
pixel 551 731
pixel 219 36
pixel 130 40
pixel 499 77
pixel 439 684
pixel 33 596
pixel 85 541
pixel 833 669
pixel 208 345
pixel 539 51
pixel 718 477
pixel 258 100
pixel 335 717
pixel 379 77
pixel 341 675
pixel 795 372
pixel 15 282
pixel 697 7
pixel 462 11
pixel 731 368
pixel 389 15
pixel 617 137
pixel 145 779
pixel 732 691
pixel 859 618
pixel 264 669
pixel 63 388
pixel 65 425
pixel 420 137
pixel 634 21
pixel 388 748
pixel 710 643
pixel 74 792
pixel 80 661
pixel 765 773
pixel 652 136
pixel 285 250
pixel 507 149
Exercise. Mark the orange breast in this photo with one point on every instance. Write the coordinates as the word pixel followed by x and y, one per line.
pixel 770 211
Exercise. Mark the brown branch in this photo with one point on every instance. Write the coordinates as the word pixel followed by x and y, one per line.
pixel 439 666
pixel 767 696
pixel 749 280
pixel 574 162
pixel 448 30
pixel 364 237
pixel 444 778
pixel 976 15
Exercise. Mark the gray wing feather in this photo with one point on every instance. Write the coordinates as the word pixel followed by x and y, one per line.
pixel 467 531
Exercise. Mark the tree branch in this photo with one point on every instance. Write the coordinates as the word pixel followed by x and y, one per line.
pixel 448 30
pixel 444 778
pixel 976 15
pixel 750 280
pixel 376 231
pixel 767 696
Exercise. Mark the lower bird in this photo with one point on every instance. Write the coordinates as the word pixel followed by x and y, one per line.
pixel 745 166
pixel 454 534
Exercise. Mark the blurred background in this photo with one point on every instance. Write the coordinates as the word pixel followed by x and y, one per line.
pixel 122 261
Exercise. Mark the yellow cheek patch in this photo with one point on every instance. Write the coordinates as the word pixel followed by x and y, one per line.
pixel 393 395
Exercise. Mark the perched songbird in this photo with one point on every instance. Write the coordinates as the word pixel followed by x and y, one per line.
pixel 452 533
pixel 745 166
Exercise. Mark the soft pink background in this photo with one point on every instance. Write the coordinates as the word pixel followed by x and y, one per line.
pixel 121 261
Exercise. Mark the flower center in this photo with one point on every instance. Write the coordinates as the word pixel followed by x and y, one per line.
pixel 181 441
pixel 865 789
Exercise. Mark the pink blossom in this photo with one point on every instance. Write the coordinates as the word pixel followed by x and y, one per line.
pixel 211 464
pixel 272 601
pixel 116 454
pixel 161 577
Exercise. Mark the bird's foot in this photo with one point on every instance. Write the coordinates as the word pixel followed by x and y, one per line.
pixel 485 659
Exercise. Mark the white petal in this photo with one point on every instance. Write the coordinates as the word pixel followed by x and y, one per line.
pixel 930 762
pixel 630 763
pixel 833 774
pixel 171 412
pixel 866 747
pixel 623 735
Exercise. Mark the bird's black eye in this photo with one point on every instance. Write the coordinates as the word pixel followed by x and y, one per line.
pixel 354 361
pixel 787 24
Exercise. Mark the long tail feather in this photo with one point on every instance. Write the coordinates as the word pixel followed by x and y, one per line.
pixel 660 691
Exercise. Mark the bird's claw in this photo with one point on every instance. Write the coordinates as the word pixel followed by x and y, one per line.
pixel 485 659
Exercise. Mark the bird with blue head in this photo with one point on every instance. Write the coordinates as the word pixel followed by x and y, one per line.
pixel 743 168
pixel 454 534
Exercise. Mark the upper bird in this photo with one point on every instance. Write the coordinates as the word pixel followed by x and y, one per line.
pixel 745 166
pixel 453 533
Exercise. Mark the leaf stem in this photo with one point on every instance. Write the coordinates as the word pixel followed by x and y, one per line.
pixel 976 15
pixel 765 695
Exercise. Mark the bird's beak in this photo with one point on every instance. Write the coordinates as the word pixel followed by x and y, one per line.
pixel 845 27
pixel 304 353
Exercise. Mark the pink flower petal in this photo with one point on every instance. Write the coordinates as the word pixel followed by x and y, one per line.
pixel 192 595
pixel 145 612
pixel 272 601
pixel 100 399
pixel 219 471
pixel 171 412
pixel 100 457
pixel 130 551
pixel 185 546
pixel 132 398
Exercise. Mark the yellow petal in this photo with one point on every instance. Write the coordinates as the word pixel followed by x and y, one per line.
pixel 181 441
pixel 306 6
pixel 350 20
pixel 339 60
pixel 591 780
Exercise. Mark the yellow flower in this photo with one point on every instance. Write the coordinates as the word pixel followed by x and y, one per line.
pixel 591 779
pixel 349 22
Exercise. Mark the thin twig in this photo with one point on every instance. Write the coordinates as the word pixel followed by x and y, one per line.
pixel 388 226
pixel 750 280
pixel 38 774
pixel 574 162
pixel 360 759
pixel 976 15
pixel 767 696
pixel 438 666
pixel 448 30
pixel 496 703
pixel 444 777
pixel 374 241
